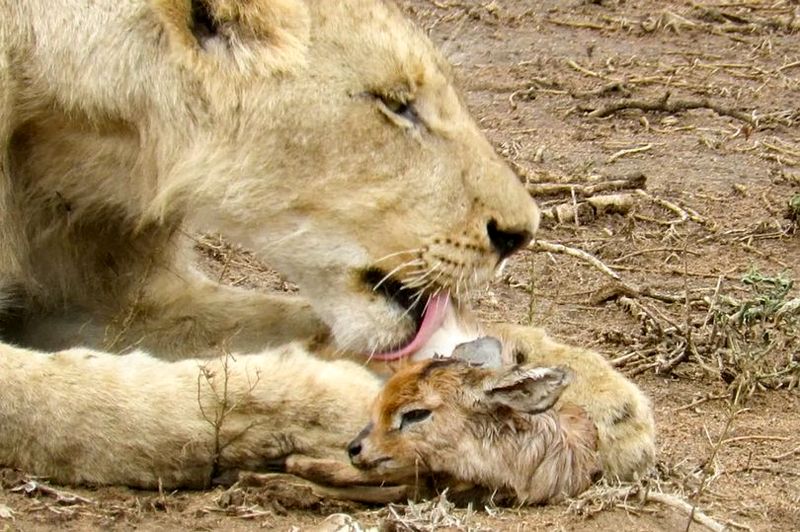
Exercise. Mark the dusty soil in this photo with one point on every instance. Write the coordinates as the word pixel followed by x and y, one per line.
pixel 703 319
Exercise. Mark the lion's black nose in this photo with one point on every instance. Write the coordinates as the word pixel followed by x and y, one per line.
pixel 506 242
pixel 354 448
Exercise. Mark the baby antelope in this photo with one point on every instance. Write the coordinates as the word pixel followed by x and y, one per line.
pixel 484 427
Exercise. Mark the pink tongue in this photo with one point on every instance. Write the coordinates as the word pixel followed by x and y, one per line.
pixel 432 319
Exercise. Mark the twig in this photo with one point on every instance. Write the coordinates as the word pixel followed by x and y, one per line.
pixel 714 451
pixel 575 66
pixel 683 506
pixel 613 87
pixel 683 213
pixel 588 209
pixel 655 250
pixel 755 437
pixel 688 509
pixel 629 151
pixel 32 487
pixel 766 469
pixel 615 290
pixel 619 495
pixel 638 311
pixel 633 181
pixel 701 400
pixel 624 359
pixel 667 105
pixel 787 454
pixel 788 66
pixel 550 247
pixel 577 24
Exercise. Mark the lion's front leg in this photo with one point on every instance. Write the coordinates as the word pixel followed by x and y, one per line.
pixel 87 417
pixel 620 410
pixel 175 316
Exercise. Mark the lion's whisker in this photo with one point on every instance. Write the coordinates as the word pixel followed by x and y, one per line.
pixel 396 253
pixel 415 282
pixel 395 270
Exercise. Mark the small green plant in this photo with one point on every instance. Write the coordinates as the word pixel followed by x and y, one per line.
pixel 756 341
pixel 794 209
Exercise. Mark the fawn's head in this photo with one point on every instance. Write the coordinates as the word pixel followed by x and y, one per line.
pixel 429 414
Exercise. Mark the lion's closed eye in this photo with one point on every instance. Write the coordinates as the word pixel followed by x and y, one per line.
pixel 401 111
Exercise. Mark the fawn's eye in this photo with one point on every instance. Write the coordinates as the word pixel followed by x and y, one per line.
pixel 414 416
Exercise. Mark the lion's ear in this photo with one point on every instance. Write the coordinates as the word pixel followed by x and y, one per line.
pixel 247 37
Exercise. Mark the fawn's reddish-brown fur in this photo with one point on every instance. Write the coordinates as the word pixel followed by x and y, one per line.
pixel 497 429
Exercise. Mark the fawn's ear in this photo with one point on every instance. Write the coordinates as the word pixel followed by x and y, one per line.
pixel 529 390
pixel 485 352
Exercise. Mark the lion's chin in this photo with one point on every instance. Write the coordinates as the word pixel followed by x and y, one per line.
pixel 439 332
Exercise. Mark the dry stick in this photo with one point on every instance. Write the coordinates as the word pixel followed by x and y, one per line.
pixel 615 86
pixel 588 209
pixel 577 24
pixel 755 437
pixel 32 487
pixel 787 454
pixel 673 271
pixel 629 151
pixel 633 181
pixel 655 250
pixel 788 66
pixel 666 105
pixel 620 288
pixel 624 359
pixel 575 66
pixel 688 509
pixel 766 469
pixel 688 349
pixel 669 500
pixel 701 400
pixel 682 213
pixel 550 247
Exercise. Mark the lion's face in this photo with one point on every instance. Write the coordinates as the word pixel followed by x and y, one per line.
pixel 358 172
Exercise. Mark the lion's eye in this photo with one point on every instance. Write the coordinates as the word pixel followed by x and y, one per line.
pixel 414 416
pixel 399 108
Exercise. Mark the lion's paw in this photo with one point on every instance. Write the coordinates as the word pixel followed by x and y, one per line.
pixel 620 410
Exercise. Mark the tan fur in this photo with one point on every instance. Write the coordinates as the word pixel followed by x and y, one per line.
pixel 124 128
pixel 121 139
pixel 139 421
pixel 537 456
pixel 622 413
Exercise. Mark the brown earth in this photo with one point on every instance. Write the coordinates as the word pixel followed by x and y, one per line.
pixel 706 257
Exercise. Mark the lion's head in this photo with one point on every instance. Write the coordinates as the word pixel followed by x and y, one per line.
pixel 326 136
pixel 350 164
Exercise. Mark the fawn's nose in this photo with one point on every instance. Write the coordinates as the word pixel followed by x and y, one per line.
pixel 507 240
pixel 354 448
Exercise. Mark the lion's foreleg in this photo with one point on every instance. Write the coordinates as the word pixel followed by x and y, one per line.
pixel 174 316
pixel 86 417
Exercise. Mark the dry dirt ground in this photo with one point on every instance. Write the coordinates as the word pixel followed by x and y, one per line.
pixel 700 98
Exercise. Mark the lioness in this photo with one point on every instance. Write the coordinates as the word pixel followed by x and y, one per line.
pixel 325 136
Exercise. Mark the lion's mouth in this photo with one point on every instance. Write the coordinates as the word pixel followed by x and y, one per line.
pixel 428 312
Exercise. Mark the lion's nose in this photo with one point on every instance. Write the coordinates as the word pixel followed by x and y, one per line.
pixel 507 241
